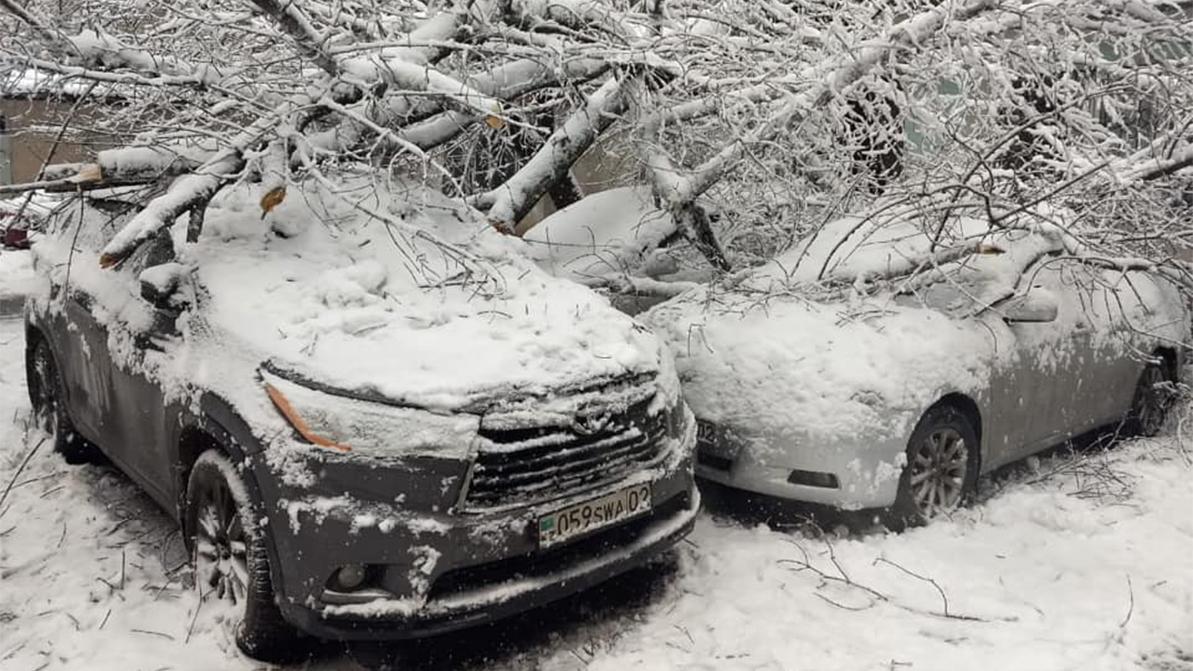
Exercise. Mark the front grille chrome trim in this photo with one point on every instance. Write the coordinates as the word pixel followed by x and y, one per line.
pixel 527 463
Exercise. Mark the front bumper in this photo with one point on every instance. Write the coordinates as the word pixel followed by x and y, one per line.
pixel 483 593
pixel 866 471
pixel 439 571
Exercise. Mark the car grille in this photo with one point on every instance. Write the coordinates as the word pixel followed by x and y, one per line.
pixel 524 463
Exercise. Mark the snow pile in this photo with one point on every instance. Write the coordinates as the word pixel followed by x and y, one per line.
pixel 883 243
pixel 1045 574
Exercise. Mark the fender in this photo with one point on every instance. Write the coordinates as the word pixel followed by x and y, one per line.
pixel 219 421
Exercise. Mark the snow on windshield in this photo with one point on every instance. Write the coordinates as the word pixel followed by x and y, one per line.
pixel 875 244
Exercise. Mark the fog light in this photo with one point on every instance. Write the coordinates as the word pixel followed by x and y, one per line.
pixel 350 576
pixel 813 479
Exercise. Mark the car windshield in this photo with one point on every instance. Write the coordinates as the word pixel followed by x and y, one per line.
pixel 879 244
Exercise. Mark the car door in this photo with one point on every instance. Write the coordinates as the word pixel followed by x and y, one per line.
pixel 112 398
pixel 79 337
pixel 1130 313
pixel 145 337
pixel 1062 355
pixel 1022 388
pixel 1038 378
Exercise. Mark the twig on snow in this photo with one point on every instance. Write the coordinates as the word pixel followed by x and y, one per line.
pixel 153 633
pixel 16 475
pixel 844 578
pixel 1131 605
pixel 191 627
pixel 943 597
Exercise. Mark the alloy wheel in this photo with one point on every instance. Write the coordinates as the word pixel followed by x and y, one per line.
pixel 938 470
pixel 221 549
pixel 1153 399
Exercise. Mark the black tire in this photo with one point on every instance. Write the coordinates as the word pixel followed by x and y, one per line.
pixel 230 560
pixel 941 474
pixel 48 396
pixel 1153 399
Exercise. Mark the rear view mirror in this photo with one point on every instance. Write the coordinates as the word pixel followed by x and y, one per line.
pixel 1036 306
pixel 162 286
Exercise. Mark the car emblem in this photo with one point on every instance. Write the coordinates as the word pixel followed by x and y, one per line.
pixel 590 425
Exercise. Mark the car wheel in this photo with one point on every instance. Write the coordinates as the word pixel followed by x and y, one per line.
pixel 49 408
pixel 1153 398
pixel 941 473
pixel 230 561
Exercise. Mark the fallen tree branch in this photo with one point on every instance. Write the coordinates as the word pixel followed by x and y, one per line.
pixel 510 202
pixel 674 187
pixel 294 22
pixel 17 474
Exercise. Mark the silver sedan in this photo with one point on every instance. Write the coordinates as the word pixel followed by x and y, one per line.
pixel 876 365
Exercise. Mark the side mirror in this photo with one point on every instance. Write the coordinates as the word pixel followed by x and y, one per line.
pixel 163 287
pixel 1036 306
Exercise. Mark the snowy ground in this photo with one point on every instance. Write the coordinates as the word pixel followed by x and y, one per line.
pixel 1069 563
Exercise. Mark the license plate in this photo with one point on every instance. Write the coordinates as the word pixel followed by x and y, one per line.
pixel 592 515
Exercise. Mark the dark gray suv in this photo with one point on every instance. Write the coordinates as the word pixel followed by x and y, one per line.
pixel 365 431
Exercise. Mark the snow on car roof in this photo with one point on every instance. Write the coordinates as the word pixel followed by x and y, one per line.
pixel 34 82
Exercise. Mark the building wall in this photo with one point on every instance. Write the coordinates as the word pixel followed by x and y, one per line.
pixel 30 126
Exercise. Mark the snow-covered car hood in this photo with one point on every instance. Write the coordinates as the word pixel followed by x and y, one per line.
pixel 830 369
pixel 388 298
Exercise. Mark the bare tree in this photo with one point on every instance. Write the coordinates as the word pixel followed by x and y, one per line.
pixel 780 113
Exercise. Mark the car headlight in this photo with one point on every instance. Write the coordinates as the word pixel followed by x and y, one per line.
pixel 367 427
pixel 668 398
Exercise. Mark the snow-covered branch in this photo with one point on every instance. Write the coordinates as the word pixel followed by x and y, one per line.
pixel 753 121
pixel 189 191
pixel 292 19
pixel 682 186
pixel 511 201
